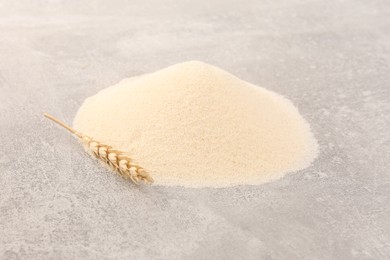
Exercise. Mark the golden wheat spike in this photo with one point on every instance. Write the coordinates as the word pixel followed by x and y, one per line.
pixel 117 160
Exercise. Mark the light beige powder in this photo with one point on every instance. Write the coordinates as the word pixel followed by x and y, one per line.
pixel 195 125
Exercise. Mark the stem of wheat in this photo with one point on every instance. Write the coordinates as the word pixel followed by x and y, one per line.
pixel 117 160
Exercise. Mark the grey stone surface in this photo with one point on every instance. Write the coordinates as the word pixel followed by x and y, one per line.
pixel 331 58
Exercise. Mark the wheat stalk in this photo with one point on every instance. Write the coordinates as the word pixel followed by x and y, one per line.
pixel 117 160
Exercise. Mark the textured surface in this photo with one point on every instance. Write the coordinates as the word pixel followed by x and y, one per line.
pixel 331 58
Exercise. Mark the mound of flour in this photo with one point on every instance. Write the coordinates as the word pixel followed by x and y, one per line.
pixel 195 125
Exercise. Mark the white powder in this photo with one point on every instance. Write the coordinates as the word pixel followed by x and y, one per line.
pixel 195 125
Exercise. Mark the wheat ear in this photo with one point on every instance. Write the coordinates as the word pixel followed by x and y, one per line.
pixel 117 160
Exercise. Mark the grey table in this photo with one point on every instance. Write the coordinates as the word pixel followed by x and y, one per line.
pixel 331 58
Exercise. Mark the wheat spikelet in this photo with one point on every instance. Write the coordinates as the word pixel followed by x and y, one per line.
pixel 117 160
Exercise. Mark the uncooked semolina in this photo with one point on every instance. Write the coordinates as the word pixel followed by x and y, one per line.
pixel 195 125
